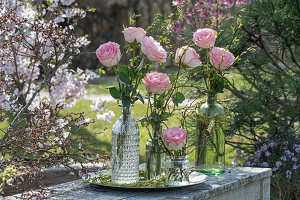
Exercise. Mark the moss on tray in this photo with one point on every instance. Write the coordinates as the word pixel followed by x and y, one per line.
pixel 104 179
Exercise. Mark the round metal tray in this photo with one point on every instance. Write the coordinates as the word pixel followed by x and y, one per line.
pixel 195 178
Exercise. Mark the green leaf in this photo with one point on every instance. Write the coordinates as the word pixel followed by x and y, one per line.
pixel 144 121
pixel 178 98
pixel 155 117
pixel 124 78
pixel 140 97
pixel 130 88
pixel 175 101
pixel 166 115
pixel 114 92
pixel 143 72
pixel 159 100
pixel 141 64
pixel 220 84
pixel 172 78
pixel 122 68
pixel 126 101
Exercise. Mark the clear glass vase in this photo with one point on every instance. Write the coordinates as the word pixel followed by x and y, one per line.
pixel 177 170
pixel 210 140
pixel 155 157
pixel 125 148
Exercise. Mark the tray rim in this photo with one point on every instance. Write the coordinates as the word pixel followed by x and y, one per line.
pixel 144 188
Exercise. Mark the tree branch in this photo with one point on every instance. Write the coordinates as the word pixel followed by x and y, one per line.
pixel 234 90
pixel 45 82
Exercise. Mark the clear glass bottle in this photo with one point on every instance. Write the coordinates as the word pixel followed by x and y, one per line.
pixel 177 170
pixel 210 140
pixel 155 157
pixel 125 148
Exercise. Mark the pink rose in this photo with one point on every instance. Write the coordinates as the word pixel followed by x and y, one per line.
pixel 153 50
pixel 221 58
pixel 156 83
pixel 109 54
pixel 134 33
pixel 174 138
pixel 205 37
pixel 188 56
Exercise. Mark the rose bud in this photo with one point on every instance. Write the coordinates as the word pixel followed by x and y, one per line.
pixel 153 50
pixel 134 33
pixel 187 56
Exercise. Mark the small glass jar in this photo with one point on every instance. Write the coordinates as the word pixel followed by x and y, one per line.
pixel 177 170
pixel 155 157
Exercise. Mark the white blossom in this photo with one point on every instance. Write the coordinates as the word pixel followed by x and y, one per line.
pixel 99 105
pixel 65 134
pixel 83 122
pixel 67 2
pixel 40 145
pixel 59 19
pixel 107 116
pixel 62 123
pixel 67 86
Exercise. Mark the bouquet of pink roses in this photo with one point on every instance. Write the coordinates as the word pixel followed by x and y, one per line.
pixel 130 76
pixel 217 59
pixel 125 131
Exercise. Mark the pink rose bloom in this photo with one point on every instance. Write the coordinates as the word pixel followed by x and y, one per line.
pixel 174 138
pixel 109 54
pixel 205 37
pixel 188 56
pixel 153 50
pixel 156 83
pixel 221 58
pixel 134 33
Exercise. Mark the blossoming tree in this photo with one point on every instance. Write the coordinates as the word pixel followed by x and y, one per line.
pixel 38 42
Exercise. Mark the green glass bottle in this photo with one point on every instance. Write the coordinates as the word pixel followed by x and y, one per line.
pixel 210 140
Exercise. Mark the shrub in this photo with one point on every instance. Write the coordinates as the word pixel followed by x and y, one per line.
pixel 268 106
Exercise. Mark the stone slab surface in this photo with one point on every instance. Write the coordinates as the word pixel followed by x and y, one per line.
pixel 236 183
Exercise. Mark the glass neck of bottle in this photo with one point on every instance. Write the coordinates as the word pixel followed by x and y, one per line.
pixel 211 98
pixel 126 111
pixel 157 130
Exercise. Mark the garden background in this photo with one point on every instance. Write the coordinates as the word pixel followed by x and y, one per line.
pixel 263 93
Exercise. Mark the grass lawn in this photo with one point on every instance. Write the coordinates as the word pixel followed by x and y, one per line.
pixel 98 87
pixel 138 111
pixel 104 140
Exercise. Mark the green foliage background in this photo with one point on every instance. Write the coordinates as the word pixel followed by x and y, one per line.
pixel 269 104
